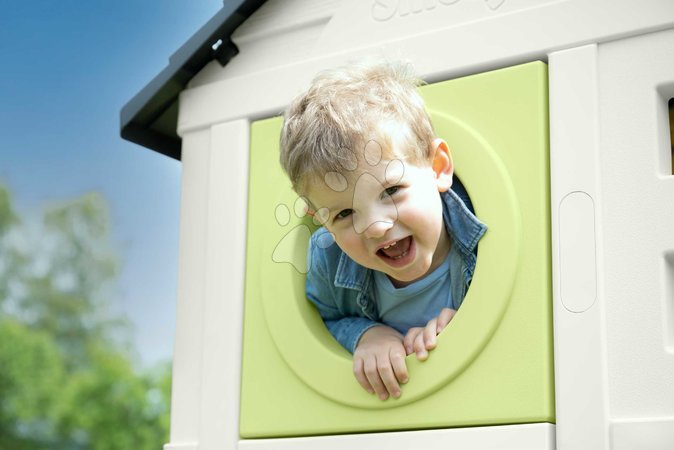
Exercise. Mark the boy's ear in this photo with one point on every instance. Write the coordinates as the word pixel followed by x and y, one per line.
pixel 442 164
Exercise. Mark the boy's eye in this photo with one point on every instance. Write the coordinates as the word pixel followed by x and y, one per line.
pixel 343 214
pixel 392 190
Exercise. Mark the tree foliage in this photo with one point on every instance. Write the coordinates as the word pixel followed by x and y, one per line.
pixel 66 377
pixel 31 374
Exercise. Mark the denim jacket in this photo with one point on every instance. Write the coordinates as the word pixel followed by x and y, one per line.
pixel 343 290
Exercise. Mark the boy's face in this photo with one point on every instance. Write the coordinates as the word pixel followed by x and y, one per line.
pixel 387 214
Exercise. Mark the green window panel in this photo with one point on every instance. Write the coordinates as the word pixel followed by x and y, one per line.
pixel 494 363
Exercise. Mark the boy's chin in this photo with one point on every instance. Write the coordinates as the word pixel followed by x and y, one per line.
pixel 403 279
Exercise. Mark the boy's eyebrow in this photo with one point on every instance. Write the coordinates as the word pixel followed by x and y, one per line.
pixel 337 207
pixel 333 208
pixel 313 208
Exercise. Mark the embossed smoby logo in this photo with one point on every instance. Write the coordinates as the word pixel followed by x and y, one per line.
pixel 383 10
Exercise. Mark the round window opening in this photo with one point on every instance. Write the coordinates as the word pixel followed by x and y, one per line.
pixel 317 359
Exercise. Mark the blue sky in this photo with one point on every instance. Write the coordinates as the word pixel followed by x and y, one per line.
pixel 66 69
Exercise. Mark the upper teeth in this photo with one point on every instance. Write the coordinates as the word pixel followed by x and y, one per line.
pixel 391 245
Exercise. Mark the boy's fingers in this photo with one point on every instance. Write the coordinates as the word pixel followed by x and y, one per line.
pixel 387 377
pixel 372 374
pixel 420 348
pixel 430 333
pixel 359 372
pixel 399 367
pixel 446 315
pixel 410 337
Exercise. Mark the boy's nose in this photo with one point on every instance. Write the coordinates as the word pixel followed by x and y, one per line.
pixel 375 219
pixel 377 229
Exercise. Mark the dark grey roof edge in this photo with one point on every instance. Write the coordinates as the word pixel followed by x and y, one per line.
pixel 139 115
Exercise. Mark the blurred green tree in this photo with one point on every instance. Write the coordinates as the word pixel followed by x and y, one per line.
pixel 108 406
pixel 31 375
pixel 67 378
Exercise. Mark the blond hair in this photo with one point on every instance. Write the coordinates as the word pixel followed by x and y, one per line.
pixel 343 109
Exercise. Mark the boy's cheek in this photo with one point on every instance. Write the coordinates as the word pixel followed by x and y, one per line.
pixel 349 246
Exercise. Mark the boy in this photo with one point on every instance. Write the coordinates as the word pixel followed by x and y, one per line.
pixel 360 148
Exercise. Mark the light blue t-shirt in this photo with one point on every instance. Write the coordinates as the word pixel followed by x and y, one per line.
pixel 417 303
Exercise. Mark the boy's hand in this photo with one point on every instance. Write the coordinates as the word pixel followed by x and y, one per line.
pixel 422 339
pixel 379 362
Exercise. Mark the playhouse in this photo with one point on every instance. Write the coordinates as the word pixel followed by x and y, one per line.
pixel 559 114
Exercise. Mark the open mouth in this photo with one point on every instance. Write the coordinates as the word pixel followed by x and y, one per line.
pixel 398 252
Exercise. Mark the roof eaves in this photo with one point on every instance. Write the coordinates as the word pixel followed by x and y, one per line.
pixel 150 117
